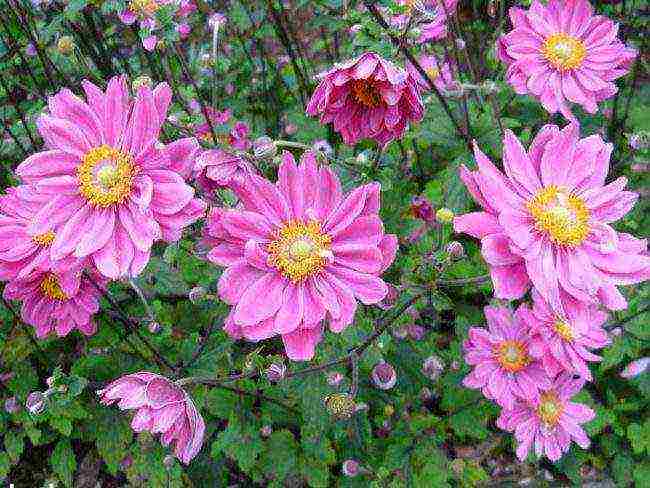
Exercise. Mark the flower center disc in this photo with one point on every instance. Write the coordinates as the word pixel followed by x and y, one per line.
pixel 366 93
pixel 550 408
pixel 433 73
pixel 564 217
pixel 564 330
pixel 45 239
pixel 299 250
pixel 146 8
pixel 51 288
pixel 564 52
pixel 105 176
pixel 512 356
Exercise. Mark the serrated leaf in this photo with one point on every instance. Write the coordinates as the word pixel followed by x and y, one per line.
pixel 63 461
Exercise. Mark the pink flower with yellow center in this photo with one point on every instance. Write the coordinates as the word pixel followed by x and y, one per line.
pixel 563 53
pixel 59 300
pixel 367 98
pixel 504 369
pixel 162 407
pixel 440 72
pixel 549 422
pixel 113 189
pixel 563 342
pixel 298 253
pixel 547 221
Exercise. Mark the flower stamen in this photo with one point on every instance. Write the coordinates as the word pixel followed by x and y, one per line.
pixel 550 408
pixel 564 52
pixel 564 330
pixel 512 355
pixel 563 216
pixel 51 288
pixel 44 239
pixel 366 93
pixel 105 176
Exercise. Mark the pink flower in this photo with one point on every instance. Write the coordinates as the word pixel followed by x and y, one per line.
pixel 563 342
pixel 59 300
pixel 162 408
pixel 298 253
pixel 440 73
pixel 216 169
pixel 635 368
pixel 239 136
pixel 563 53
pixel 113 188
pixel 551 421
pixel 367 97
pixel 547 220
pixel 504 369
pixel 183 30
pixel 150 42
pixel 435 17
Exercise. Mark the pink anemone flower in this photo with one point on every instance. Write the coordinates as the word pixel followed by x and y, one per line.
pixel 547 220
pixel 297 253
pixel 367 98
pixel 440 72
pixel 216 168
pixel 163 408
pixel 563 53
pixel 549 422
pixel 564 342
pixel 58 300
pixel 113 188
pixel 504 369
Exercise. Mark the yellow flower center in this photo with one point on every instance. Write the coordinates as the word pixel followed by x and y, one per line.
pixel 366 93
pixel 563 51
pixel 512 355
pixel 44 239
pixel 564 330
pixel 550 408
pixel 299 250
pixel 146 8
pixel 563 216
pixel 105 176
pixel 51 288
pixel 433 73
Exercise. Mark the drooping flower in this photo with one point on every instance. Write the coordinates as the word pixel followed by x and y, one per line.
pixel 561 53
pixel 504 369
pixel 58 300
pixel 547 220
pixel 432 17
pixel 564 342
pixel 162 408
pixel 113 188
pixel 441 73
pixel 549 422
pixel 297 253
pixel 216 168
pixel 636 367
pixel 367 98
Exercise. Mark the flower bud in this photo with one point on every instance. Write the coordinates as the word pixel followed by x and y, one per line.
pixel 615 332
pixel 460 43
pixel 141 81
pixel 640 140
pixel 126 462
pixel 425 394
pixel 290 129
pixel 264 148
pixel 640 167
pixel 340 406
pixel 390 299
pixel 35 403
pixel 276 372
pixel 355 28
pixel 444 216
pixel 154 327
pixel 12 405
pixel 433 367
pixel 416 332
pixel 350 468
pixel 323 146
pixel 455 250
pixel 389 410
pixel 635 368
pixel 196 294
pixel 50 381
pixel 63 389
pixel 65 45
pixel 266 431
pixel 384 376
pixel 334 379
pixel 401 332
pixel 168 461
pixel 362 158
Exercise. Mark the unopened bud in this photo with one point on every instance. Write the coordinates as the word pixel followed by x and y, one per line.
pixel 35 403
pixel 444 216
pixel 350 468
pixel 169 461
pixel 640 140
pixel 266 431
pixel 416 332
pixel 196 294
pixel 390 299
pixel 264 148
pixel 362 158
pixel 154 327
pixel 433 367
pixel 63 389
pixel 141 81
pixel 65 45
pixel 616 332
pixel 276 372
pixel 460 43
pixel 50 381
pixel 12 405
pixel 635 368
pixel 426 394
pixel 384 376
pixel 340 406
pixel 492 8
pixel 455 250
pixel 640 167
pixel 334 379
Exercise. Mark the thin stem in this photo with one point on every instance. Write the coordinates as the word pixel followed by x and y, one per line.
pixel 150 314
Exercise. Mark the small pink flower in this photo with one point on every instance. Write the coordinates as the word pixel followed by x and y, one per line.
pixel 150 42
pixel 162 408
pixel 435 14
pixel 216 168
pixel 239 136
pixel 504 369
pixel 183 30
pixel 217 19
pixel 186 7
pixel 549 422
pixel 113 188
pixel 59 300
pixel 564 342
pixel 384 376
pixel 441 73
pixel 635 368
pixel 548 220
pixel 367 98
pixel 297 253
pixel 561 52
pixel 30 50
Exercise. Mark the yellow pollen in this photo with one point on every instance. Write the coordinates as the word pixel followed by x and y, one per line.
pixel 366 93
pixel 550 408
pixel 564 330
pixel 563 216
pixel 146 8
pixel 433 73
pixel 512 355
pixel 44 239
pixel 105 176
pixel 564 52
pixel 51 288
pixel 300 249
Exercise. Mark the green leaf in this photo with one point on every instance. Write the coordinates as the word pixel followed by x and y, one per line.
pixel 639 436
pixel 112 438
pixel 63 461
pixel 14 444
